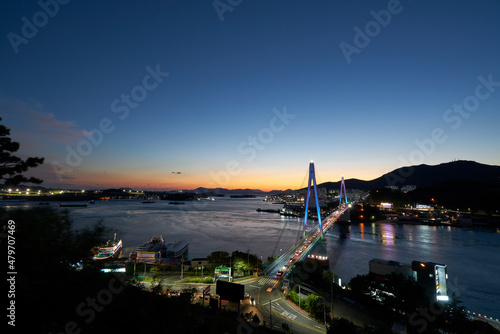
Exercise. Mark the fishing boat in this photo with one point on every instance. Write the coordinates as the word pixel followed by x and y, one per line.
pixel 110 249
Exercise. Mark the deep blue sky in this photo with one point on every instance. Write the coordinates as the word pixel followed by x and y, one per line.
pixel 358 118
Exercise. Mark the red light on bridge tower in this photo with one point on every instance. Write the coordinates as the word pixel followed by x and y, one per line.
pixel 312 178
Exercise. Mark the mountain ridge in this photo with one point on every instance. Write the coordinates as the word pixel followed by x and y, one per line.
pixel 422 175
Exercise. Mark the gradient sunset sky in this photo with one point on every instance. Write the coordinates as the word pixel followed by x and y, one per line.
pixel 243 94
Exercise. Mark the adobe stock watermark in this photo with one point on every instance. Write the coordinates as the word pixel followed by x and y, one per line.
pixel 120 106
pixel 222 6
pixel 29 28
pixel 249 148
pixel 88 309
pixel 372 29
pixel 453 116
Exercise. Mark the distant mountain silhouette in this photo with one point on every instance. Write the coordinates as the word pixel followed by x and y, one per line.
pixel 222 191
pixel 426 176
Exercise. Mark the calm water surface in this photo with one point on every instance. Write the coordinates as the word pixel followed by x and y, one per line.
pixel 472 255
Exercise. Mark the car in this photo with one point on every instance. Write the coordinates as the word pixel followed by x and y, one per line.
pixel 252 300
pixel 285 267
pixel 291 259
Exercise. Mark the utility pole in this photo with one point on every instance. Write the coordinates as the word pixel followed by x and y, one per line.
pixel 135 280
pixel 299 297
pixel 182 268
pixel 324 310
pixel 270 315
pixel 331 301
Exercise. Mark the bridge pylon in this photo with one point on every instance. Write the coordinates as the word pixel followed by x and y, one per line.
pixel 342 186
pixel 312 179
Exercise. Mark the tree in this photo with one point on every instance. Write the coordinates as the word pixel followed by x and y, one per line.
pixel 342 325
pixel 218 258
pixel 11 166
pixel 239 265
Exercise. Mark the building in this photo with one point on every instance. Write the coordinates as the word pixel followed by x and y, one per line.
pixel 385 206
pixel 433 277
pixel 199 263
pixel 381 268
pixel 223 274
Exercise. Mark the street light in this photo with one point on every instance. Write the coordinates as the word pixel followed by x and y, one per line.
pixel 182 267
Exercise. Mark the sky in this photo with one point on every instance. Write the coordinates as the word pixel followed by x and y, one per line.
pixel 165 95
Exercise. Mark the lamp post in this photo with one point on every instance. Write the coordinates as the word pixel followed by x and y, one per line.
pixel 182 268
pixel 299 297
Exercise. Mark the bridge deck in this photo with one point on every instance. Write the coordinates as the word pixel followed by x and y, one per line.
pixel 299 251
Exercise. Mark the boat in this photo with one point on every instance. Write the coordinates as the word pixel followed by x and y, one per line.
pixel 177 203
pixel 108 250
pixel 150 250
pixel 147 201
pixel 269 210
pixel 177 250
pixel 73 205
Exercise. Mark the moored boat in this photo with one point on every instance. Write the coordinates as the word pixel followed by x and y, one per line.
pixel 151 250
pixel 62 205
pixel 110 249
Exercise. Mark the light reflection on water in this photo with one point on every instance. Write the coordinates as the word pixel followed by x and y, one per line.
pixel 470 254
pixel 233 224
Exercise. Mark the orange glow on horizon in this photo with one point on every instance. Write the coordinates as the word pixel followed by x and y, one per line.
pixel 261 179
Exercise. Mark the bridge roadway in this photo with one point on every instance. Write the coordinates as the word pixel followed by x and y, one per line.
pixel 303 247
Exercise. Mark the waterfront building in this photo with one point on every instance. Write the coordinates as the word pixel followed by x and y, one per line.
pixel 432 276
pixel 381 268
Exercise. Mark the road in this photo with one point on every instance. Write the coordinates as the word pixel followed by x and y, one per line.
pixel 301 249
pixel 267 297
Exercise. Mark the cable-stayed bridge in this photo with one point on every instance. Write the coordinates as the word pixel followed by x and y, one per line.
pixel 299 251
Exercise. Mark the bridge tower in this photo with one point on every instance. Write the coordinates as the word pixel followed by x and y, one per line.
pixel 342 186
pixel 312 178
